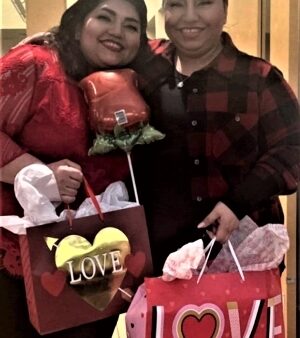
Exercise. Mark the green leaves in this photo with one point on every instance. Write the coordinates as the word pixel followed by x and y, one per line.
pixel 125 139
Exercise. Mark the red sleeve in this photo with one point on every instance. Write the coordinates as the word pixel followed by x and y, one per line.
pixel 277 171
pixel 17 82
pixel 159 46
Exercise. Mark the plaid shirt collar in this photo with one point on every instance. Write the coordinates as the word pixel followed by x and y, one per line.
pixel 223 64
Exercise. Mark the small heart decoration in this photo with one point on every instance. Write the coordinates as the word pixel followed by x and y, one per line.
pixel 54 282
pixel 135 263
pixel 204 324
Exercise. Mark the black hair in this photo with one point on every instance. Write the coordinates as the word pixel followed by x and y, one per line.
pixel 68 45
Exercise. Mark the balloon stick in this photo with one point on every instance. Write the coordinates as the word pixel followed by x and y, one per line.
pixel 132 177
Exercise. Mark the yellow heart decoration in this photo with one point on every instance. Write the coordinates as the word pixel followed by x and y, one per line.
pixel 97 270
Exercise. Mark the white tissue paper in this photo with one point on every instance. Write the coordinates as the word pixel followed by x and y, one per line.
pixel 114 197
pixel 263 249
pixel 35 189
pixel 37 192
pixel 181 263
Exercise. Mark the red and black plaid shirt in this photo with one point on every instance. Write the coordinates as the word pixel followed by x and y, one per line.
pixel 232 135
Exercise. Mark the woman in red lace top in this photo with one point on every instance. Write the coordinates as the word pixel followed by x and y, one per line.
pixel 44 119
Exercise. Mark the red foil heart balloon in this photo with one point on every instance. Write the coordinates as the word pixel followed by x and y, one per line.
pixel 114 98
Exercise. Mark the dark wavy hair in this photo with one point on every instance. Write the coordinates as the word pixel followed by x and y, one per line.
pixel 64 36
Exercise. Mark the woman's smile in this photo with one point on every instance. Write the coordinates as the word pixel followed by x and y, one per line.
pixel 195 26
pixel 110 35
pixel 112 45
pixel 190 32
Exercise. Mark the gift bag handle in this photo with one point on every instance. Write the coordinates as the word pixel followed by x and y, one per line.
pixel 90 193
pixel 209 248
pixel 94 200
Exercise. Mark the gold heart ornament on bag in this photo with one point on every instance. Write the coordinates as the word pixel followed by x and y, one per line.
pixel 95 271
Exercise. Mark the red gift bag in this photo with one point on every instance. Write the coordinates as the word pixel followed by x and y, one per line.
pixel 220 305
pixel 79 272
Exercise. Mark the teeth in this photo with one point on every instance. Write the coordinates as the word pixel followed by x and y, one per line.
pixel 112 44
pixel 190 30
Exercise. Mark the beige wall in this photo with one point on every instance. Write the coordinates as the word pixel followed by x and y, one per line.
pixel 12 27
pixel 155 19
pixel 153 7
pixel 284 28
pixel 9 17
pixel 242 24
pixel 41 16
pixel 280 30
pixel 70 3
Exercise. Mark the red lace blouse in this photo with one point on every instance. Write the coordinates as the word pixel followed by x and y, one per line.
pixel 43 112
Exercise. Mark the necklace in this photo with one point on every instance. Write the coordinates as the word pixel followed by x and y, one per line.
pixel 180 78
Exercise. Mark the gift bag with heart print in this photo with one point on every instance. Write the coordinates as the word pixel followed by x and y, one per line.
pixel 234 305
pixel 84 270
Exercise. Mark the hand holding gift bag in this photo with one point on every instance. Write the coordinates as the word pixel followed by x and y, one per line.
pixel 84 269
pixel 209 305
pixel 73 271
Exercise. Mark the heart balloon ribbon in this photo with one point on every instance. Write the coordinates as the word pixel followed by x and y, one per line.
pixel 118 114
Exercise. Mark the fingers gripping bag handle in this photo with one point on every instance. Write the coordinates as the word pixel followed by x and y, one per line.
pixel 209 249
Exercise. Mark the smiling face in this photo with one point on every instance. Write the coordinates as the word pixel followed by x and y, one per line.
pixel 110 34
pixel 194 26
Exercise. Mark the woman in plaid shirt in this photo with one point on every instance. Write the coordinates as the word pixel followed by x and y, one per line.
pixel 232 128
